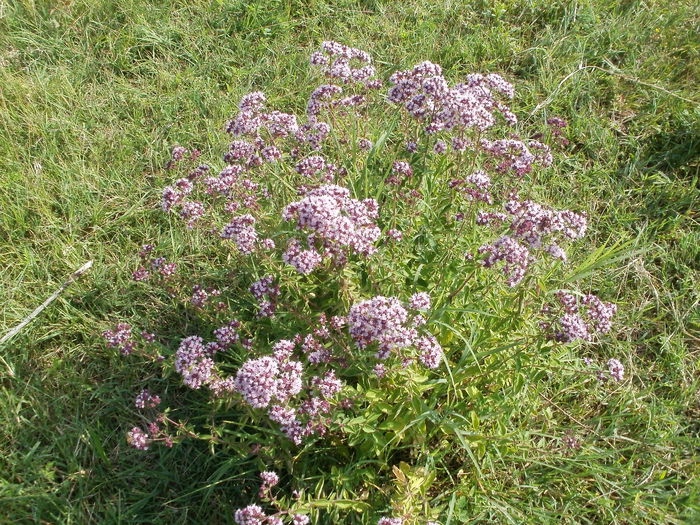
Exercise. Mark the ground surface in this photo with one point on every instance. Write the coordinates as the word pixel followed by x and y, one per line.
pixel 94 93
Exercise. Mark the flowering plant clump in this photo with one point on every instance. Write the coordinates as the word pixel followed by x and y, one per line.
pixel 330 303
pixel 255 515
pixel 338 223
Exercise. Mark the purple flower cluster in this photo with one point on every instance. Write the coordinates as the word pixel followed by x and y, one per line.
pixel 200 295
pixel 390 521
pixel 616 369
pixel 241 230
pixel 557 126
pixel 474 186
pixel 236 185
pixel 193 361
pixel 175 197
pixel 515 257
pixel 303 261
pixel 542 227
pixel 315 132
pixel 140 274
pixel 381 320
pixel 335 223
pixel 385 322
pixel 394 235
pixel 153 265
pixel 178 153
pixel 426 95
pixel 348 66
pixel 138 439
pixel 120 338
pixel 430 351
pixel 252 119
pixel 532 227
pixel 146 400
pixel 254 515
pixel 316 167
pixel 256 380
pixel 400 171
pixel 328 385
pixel 142 439
pixel 420 301
pixel 191 211
pixel 250 515
pixel 227 335
pixel 276 382
pixel 515 156
pixel 581 319
pixel 269 480
pixel 336 61
pixel 266 293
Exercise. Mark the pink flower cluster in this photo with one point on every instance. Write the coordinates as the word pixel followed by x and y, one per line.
pixel 241 230
pixel 261 380
pixel 335 223
pixel 277 382
pixel 474 186
pixel 236 185
pixel 420 301
pixel 227 335
pixel 178 153
pixel 316 167
pixel 400 172
pixel 336 61
pixel 266 292
pixel 146 400
pixel 120 338
pixel 200 295
pixel 515 156
pixel 141 439
pixel 193 361
pixel 542 227
pixel 252 119
pixel 390 521
pixel 581 319
pixel 138 439
pixel 385 322
pixel 151 265
pixel 303 261
pixel 532 227
pixel 616 370
pixel 175 197
pixel 254 515
pixel 394 235
pixel 514 256
pixel 326 97
pixel 235 182
pixel 269 480
pixel 426 95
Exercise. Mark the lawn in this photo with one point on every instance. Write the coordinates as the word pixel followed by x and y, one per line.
pixel 94 94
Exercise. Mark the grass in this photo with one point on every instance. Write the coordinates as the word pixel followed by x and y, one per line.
pixel 93 95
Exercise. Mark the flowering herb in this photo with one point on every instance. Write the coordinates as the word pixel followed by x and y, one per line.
pixel 317 248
